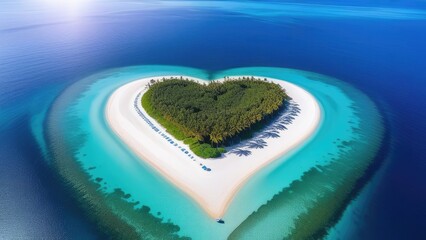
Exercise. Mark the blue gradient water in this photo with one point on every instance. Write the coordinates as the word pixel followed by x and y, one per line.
pixel 41 53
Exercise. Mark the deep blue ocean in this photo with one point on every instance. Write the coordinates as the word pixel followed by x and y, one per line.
pixel 380 49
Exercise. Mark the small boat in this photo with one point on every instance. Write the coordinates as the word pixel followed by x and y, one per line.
pixel 220 220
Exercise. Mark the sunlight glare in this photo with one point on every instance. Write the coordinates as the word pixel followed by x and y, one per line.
pixel 71 8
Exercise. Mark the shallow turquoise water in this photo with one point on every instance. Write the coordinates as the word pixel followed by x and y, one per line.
pixel 349 121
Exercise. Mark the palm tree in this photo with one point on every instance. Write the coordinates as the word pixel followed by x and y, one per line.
pixel 241 152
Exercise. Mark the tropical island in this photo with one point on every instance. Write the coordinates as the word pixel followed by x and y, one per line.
pixel 294 115
pixel 210 116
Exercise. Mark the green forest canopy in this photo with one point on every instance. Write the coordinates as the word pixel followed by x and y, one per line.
pixel 209 114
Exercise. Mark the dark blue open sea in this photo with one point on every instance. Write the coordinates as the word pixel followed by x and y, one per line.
pixel 378 48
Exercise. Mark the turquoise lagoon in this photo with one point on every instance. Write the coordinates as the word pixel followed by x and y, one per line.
pixel 300 194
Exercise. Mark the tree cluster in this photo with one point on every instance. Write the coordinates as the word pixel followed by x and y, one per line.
pixel 214 112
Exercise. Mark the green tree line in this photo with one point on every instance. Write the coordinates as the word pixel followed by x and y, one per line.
pixel 214 112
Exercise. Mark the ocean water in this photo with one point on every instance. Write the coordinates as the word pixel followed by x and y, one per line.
pixel 44 49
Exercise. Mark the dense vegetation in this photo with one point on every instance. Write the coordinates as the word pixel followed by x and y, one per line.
pixel 206 115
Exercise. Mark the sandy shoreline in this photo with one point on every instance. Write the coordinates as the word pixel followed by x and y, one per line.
pixel 214 190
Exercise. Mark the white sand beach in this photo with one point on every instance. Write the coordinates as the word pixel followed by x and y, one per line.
pixel 212 190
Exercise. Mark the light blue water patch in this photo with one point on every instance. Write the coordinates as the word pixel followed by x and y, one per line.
pixel 111 163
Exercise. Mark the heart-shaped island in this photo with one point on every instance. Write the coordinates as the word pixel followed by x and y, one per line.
pixel 209 137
